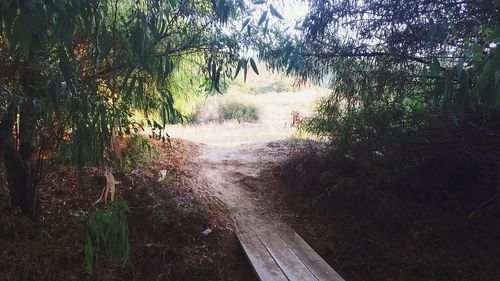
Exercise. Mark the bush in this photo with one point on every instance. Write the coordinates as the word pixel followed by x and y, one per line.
pixel 365 130
pixel 426 156
pixel 138 152
pixel 239 111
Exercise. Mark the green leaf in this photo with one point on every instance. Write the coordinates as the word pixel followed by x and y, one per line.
pixel 106 43
pixel 275 12
pixel 172 3
pixel 65 65
pixel 460 67
pixel 126 250
pixel 254 66
pixel 21 34
pixel 89 255
pixel 238 68
pixel 245 23
pixel 123 85
pixel 262 18
pixel 492 65
pixel 288 49
pixel 131 85
pixel 225 13
pixel 424 78
pixel 245 71
pixel 9 15
pixel 217 80
pixel 494 34
pixel 446 99
pixel 140 89
pixel 292 64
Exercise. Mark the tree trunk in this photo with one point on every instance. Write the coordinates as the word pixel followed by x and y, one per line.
pixel 20 162
pixel 7 125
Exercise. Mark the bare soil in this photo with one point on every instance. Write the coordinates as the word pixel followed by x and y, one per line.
pixel 220 178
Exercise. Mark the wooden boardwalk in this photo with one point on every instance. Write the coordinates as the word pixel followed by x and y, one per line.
pixel 284 256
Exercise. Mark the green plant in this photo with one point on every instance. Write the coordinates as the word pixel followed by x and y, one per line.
pixel 365 130
pixel 108 232
pixel 138 152
pixel 239 111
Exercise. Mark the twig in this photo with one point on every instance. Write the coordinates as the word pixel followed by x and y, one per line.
pixel 484 204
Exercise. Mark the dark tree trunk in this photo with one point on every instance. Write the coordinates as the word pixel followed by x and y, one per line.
pixel 7 125
pixel 20 162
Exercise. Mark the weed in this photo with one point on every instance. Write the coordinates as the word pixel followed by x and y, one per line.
pixel 108 231
pixel 196 210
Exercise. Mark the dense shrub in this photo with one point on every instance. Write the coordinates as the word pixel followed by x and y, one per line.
pixel 424 155
pixel 239 111
pixel 419 95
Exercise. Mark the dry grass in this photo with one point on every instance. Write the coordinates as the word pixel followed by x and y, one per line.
pixel 275 118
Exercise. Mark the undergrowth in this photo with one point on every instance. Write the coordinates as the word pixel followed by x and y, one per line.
pixel 140 152
pixel 426 157
pixel 109 234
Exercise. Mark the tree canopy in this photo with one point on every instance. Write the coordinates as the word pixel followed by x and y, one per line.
pixel 75 72
pixel 396 65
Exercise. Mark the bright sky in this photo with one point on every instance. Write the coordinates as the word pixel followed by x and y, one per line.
pixel 293 10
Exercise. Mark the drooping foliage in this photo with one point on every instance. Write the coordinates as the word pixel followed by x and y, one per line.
pixel 74 73
pixel 406 60
pixel 415 88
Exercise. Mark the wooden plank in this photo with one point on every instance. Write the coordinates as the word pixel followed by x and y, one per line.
pixel 317 265
pixel 264 265
pixel 289 263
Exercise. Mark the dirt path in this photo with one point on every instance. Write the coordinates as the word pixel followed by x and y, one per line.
pixel 236 160
pixel 242 177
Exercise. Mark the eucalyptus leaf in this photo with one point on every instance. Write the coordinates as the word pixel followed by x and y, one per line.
pixel 263 17
pixel 275 12
pixel 245 23
pixel 254 66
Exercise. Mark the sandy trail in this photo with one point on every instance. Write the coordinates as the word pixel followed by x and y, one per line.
pixel 236 160
pixel 242 178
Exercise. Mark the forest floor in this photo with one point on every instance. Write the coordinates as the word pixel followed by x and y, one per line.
pixel 167 217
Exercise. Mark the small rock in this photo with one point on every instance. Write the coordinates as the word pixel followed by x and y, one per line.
pixel 163 174
pixel 206 231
